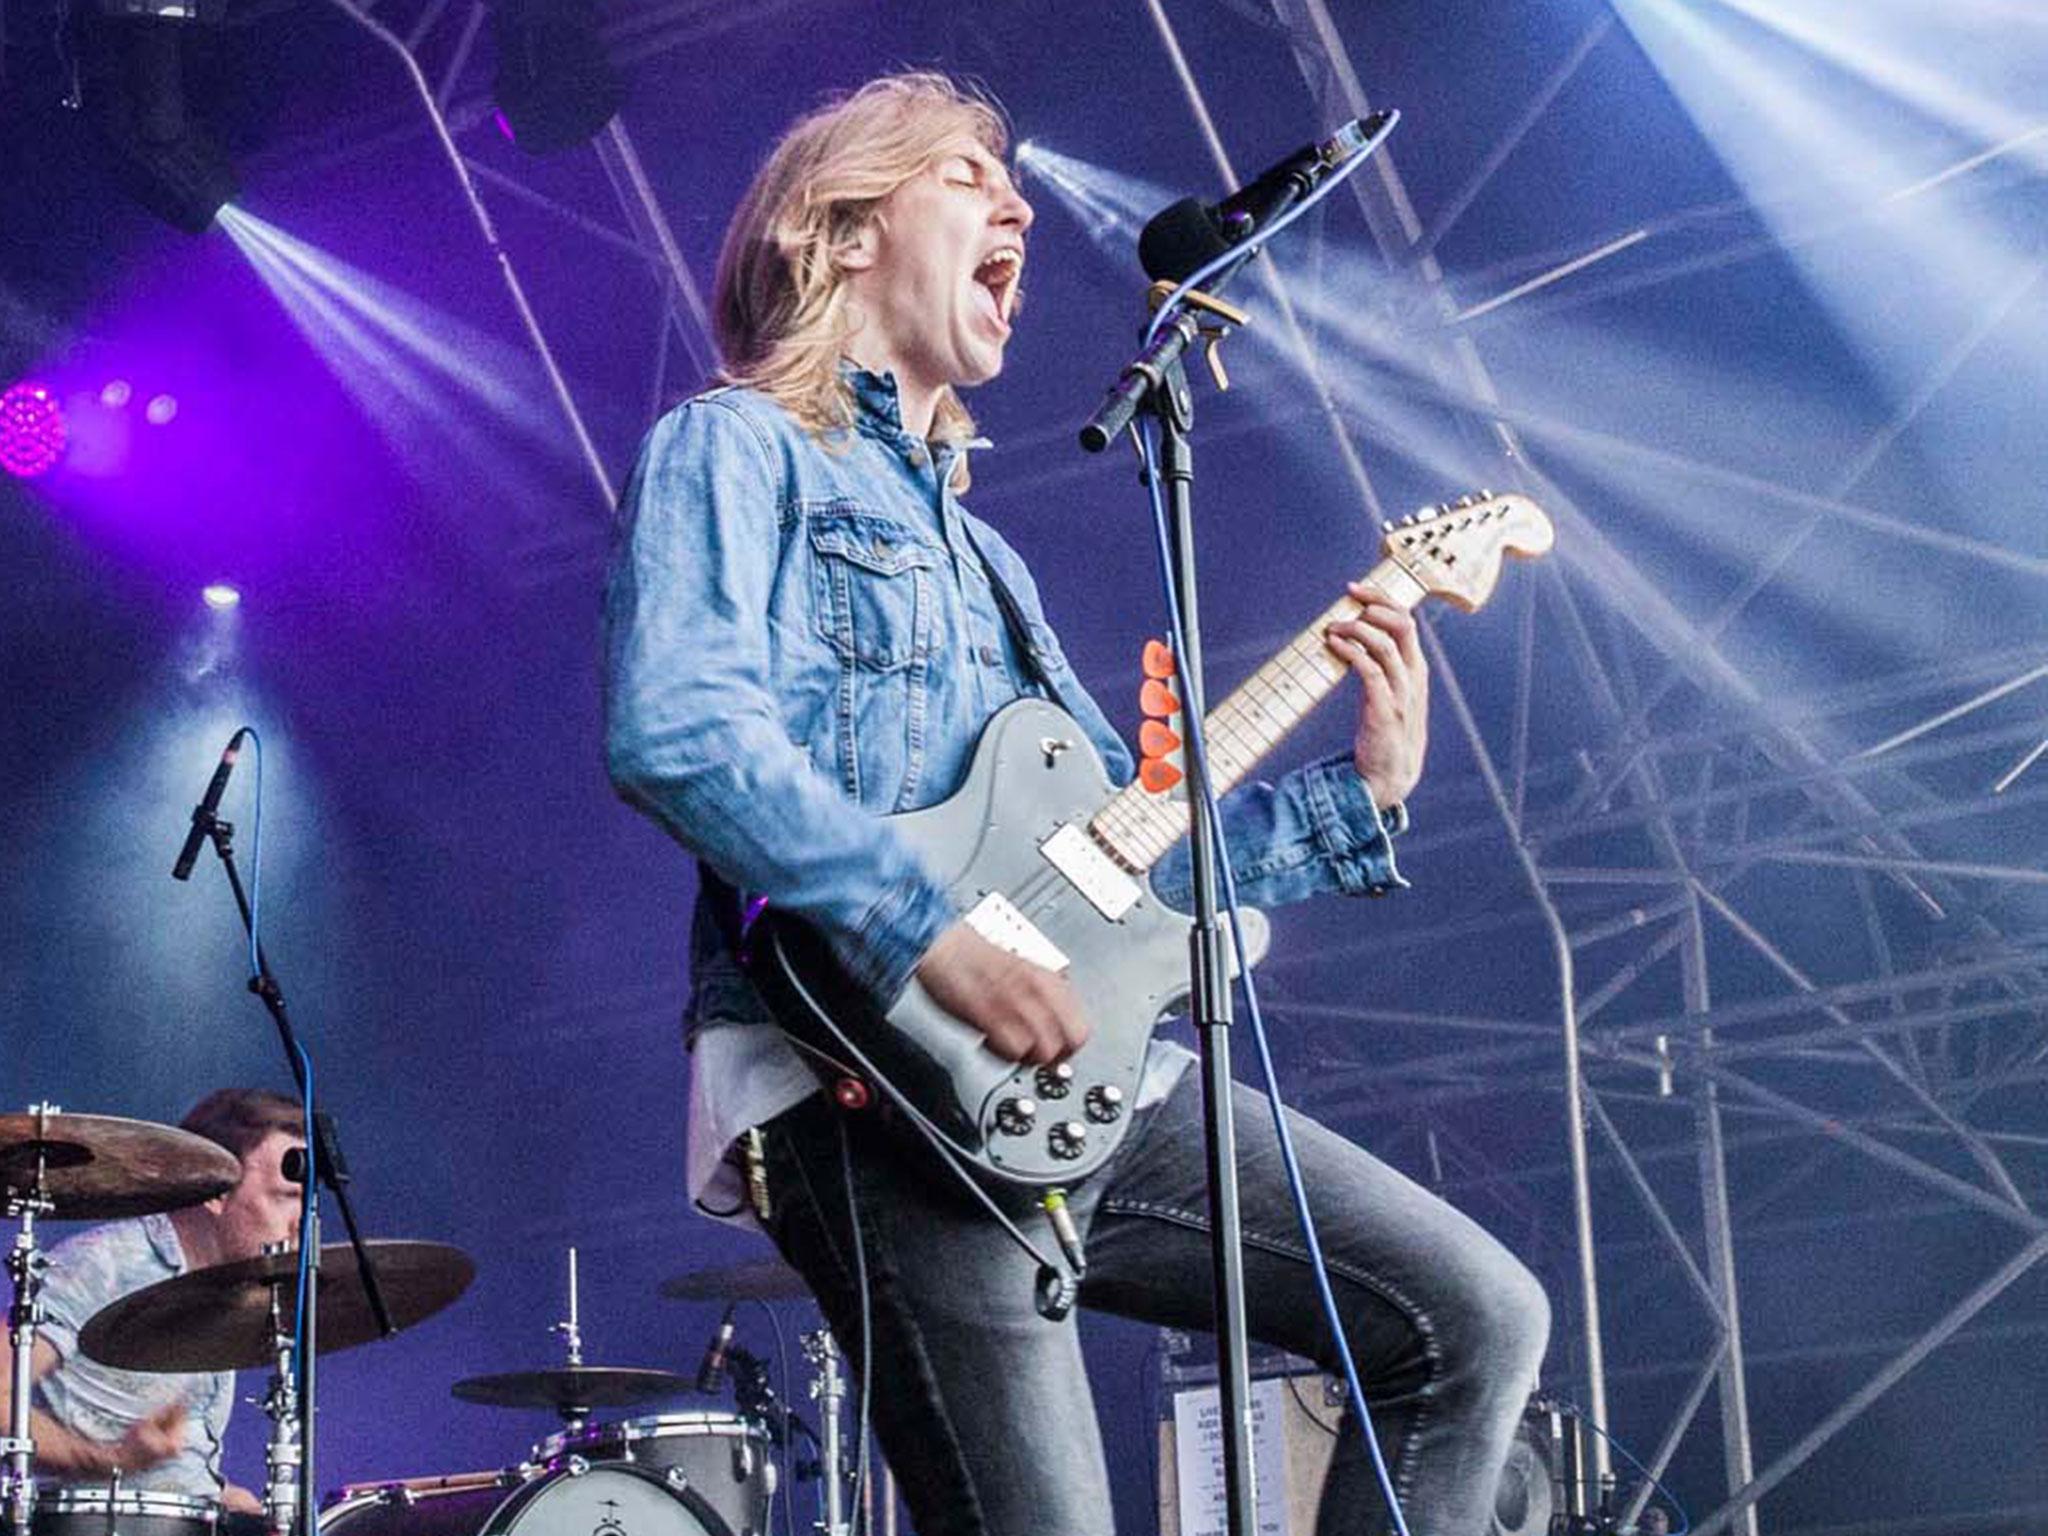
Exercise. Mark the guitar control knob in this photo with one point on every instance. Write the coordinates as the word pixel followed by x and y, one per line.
pixel 1067 1140
pixel 1105 1103
pixel 1016 1116
pixel 1055 1081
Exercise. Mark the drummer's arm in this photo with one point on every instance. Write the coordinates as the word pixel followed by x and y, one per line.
pixel 237 1500
pixel 154 1439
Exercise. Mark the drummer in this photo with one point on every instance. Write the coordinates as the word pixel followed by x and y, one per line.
pixel 162 1432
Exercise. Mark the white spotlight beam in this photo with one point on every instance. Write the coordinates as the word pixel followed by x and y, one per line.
pixel 586 446
pixel 1532 112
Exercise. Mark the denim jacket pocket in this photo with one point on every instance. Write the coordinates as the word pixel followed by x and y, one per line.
pixel 872 579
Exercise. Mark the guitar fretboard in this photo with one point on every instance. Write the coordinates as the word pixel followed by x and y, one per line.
pixel 1138 826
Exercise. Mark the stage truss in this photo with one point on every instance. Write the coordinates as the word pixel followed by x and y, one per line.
pixel 1632 849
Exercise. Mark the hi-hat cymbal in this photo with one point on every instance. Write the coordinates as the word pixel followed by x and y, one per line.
pixel 569 1387
pixel 755 1280
pixel 218 1318
pixel 100 1167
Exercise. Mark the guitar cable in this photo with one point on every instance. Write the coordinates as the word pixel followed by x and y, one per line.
pixel 1058 1285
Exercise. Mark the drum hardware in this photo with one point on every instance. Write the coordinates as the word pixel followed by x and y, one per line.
pixel 606 1499
pixel 242 1314
pixel 572 1390
pixel 570 1328
pixel 25 1267
pixel 718 1461
pixel 828 1391
pixel 79 1168
pixel 282 1466
pixel 754 1280
pixel 220 1318
pixel 126 1511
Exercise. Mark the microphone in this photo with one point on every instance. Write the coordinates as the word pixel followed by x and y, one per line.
pixel 1190 234
pixel 711 1374
pixel 204 813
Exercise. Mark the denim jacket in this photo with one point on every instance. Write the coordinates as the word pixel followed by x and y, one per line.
pixel 801 639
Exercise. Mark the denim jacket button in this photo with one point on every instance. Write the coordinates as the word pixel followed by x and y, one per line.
pixel 991 657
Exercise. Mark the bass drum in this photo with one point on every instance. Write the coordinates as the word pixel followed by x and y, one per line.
pixel 130 1512
pixel 573 1500
pixel 722 1458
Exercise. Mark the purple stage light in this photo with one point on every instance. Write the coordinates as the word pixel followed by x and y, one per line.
pixel 221 596
pixel 117 394
pixel 32 432
pixel 160 410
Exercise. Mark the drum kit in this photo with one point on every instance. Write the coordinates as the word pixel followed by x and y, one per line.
pixel 699 1473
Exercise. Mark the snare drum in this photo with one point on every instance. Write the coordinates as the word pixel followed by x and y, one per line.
pixel 130 1512
pixel 579 1500
pixel 720 1458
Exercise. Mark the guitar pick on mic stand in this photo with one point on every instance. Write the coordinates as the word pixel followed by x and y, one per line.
pixel 327 1167
pixel 1177 244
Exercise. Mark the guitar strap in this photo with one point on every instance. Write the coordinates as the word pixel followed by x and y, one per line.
pixel 1014 621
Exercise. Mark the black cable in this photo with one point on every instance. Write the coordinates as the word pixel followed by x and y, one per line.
pixel 867 1341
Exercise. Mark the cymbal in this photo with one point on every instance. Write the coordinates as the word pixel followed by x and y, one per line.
pixel 100 1167
pixel 218 1318
pixel 755 1280
pixel 570 1386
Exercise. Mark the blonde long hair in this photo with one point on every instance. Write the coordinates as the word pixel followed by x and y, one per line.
pixel 779 304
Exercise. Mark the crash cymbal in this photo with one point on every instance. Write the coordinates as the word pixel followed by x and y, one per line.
pixel 755 1280
pixel 218 1319
pixel 100 1167
pixel 571 1386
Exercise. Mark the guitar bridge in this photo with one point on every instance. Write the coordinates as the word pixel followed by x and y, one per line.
pixel 996 918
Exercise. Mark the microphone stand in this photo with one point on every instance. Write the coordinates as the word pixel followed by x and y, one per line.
pixel 1156 382
pixel 325 1166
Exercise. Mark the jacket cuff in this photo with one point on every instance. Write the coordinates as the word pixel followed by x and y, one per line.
pixel 1356 836
pixel 894 935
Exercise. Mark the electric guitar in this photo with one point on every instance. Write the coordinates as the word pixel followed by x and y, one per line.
pixel 1049 860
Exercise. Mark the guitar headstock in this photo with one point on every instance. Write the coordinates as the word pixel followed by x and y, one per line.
pixel 1454 550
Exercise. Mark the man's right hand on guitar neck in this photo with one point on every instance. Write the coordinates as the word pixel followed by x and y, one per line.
pixel 1025 1012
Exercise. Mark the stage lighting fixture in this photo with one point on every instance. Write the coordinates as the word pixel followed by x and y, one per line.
pixel 32 431
pixel 221 596
pixel 117 394
pixel 131 85
pixel 161 410
pixel 556 85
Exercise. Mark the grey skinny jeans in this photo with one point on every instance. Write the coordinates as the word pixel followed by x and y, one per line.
pixel 982 1407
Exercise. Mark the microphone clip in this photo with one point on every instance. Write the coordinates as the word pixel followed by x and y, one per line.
pixel 1227 317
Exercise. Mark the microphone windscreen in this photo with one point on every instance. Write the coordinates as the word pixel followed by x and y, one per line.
pixel 1178 240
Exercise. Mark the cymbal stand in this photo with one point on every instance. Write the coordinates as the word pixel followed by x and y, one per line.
pixel 571 1330
pixel 828 1391
pixel 283 1465
pixel 25 1266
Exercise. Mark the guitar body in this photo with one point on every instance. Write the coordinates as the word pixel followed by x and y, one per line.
pixel 1034 773
pixel 1043 855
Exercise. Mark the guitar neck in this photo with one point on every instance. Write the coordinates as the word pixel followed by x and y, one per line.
pixel 1138 826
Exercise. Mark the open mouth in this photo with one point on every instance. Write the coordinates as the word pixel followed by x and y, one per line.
pixel 998 275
